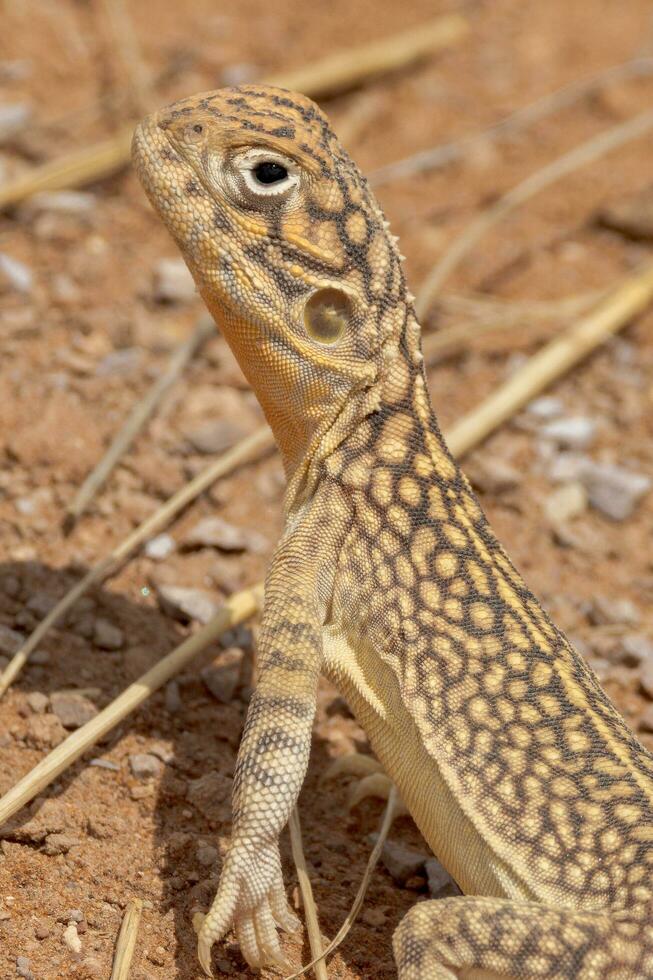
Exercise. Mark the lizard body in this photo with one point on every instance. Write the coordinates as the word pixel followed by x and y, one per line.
pixel 521 775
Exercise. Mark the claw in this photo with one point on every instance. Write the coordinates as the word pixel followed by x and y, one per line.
pixel 204 947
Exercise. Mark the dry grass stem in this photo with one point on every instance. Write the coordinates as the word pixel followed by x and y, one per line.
pixel 580 156
pixel 250 448
pixel 138 416
pixel 126 943
pixel 310 910
pixel 553 361
pixel 236 609
pixel 451 152
pixel 347 69
pixel 128 47
pixel 388 816
pixel 334 73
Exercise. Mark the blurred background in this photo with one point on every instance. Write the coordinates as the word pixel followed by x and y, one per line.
pixel 447 107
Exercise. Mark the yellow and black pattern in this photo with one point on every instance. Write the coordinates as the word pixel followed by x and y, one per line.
pixel 520 773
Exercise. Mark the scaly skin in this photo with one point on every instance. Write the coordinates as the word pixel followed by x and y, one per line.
pixel 519 772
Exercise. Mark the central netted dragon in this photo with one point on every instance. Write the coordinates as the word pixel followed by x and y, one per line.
pixel 521 775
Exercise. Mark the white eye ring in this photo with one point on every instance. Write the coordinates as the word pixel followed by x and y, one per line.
pixel 250 162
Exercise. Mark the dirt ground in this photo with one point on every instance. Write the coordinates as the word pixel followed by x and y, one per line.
pixel 84 338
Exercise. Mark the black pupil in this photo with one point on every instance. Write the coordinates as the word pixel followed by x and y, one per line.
pixel 269 173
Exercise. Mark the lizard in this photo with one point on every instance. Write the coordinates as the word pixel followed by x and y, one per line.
pixel 520 773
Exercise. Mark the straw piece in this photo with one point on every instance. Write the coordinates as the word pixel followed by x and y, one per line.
pixel 440 156
pixel 388 816
pixel 126 943
pixel 346 69
pixel 138 416
pixel 587 152
pixel 553 361
pixel 237 608
pixel 334 73
pixel 310 910
pixel 243 452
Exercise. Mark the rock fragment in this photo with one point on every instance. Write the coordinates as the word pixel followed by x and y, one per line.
pixel 73 710
pixel 565 502
pixel 71 939
pixel 610 611
pixel 144 766
pixel 215 532
pixel 221 677
pixel 187 604
pixel 173 282
pixel 107 636
pixel 572 432
pixel 613 490
pixel 15 275
pixel 402 862
pixel 160 547
pixel 439 880
pixel 214 435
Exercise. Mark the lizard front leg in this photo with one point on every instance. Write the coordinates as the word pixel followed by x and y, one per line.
pixel 270 770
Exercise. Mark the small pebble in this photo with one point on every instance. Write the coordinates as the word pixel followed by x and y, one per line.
pixel 42 930
pixel 402 862
pixel 215 435
pixel 37 701
pixel 545 408
pixel 573 432
pixel 71 939
pixel 214 532
pixel 160 547
pixel 107 636
pixel 638 649
pixel 221 677
pixel 22 968
pixel 173 282
pixel 15 274
pixel 187 604
pixel 73 710
pixel 144 766
pixel 439 879
pixel 613 490
pixel 566 502
pixel 105 764
pixel 609 611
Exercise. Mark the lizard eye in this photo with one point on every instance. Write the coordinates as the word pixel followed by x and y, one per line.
pixel 266 175
pixel 269 172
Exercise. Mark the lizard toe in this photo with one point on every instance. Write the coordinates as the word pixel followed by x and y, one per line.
pixel 283 915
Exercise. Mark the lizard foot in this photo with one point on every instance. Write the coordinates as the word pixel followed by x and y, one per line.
pixel 251 898
pixel 372 780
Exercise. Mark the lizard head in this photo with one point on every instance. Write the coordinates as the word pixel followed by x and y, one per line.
pixel 287 246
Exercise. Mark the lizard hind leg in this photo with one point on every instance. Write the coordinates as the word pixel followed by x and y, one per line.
pixel 372 780
pixel 478 938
